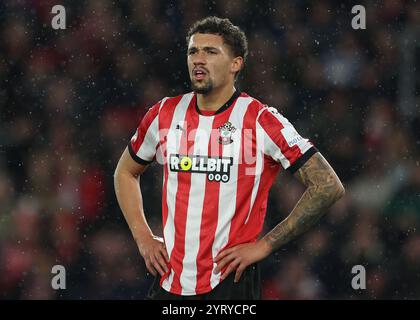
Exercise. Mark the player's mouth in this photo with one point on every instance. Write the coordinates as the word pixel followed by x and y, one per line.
pixel 199 74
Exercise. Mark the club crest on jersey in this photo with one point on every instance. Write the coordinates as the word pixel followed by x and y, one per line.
pixel 226 132
pixel 216 168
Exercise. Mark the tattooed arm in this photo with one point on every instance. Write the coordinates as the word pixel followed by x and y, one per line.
pixel 323 189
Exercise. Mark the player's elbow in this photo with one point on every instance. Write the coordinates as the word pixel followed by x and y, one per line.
pixel 338 190
pixel 331 188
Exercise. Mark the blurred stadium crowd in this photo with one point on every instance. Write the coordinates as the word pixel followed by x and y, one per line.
pixel 71 99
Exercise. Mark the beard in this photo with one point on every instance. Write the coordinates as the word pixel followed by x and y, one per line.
pixel 202 87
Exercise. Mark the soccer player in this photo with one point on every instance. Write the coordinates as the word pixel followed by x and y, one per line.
pixel 221 150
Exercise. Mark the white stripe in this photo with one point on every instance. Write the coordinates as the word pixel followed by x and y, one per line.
pixel 159 154
pixel 188 277
pixel 258 170
pixel 227 193
pixel 271 149
pixel 289 133
pixel 147 149
pixel 162 103
pixel 173 142
pixel 291 136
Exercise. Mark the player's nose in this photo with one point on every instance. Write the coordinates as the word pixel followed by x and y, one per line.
pixel 199 58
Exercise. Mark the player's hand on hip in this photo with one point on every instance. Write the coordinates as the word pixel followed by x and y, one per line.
pixel 239 257
pixel 154 253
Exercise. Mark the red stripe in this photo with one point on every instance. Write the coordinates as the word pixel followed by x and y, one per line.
pixel 182 198
pixel 245 179
pixel 144 125
pixel 165 120
pixel 273 126
pixel 250 231
pixel 209 217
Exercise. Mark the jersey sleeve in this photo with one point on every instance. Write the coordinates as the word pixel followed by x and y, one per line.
pixel 144 142
pixel 281 141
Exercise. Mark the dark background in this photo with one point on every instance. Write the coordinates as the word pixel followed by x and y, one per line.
pixel 71 99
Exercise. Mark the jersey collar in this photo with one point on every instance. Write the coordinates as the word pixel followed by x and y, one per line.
pixel 224 107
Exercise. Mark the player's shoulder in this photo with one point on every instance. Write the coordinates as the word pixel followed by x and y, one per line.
pixel 257 106
pixel 169 103
pixel 265 112
pixel 164 107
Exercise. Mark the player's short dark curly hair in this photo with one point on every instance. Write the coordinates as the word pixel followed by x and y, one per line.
pixel 232 35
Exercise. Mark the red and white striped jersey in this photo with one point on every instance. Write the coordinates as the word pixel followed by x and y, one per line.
pixel 218 170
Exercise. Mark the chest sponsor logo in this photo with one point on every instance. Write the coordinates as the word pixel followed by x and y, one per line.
pixel 216 168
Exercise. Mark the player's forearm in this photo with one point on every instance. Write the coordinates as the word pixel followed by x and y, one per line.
pixel 323 189
pixel 311 206
pixel 127 190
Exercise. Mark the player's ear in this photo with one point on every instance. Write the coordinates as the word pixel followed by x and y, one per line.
pixel 237 64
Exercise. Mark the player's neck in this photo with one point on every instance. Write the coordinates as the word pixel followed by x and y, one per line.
pixel 215 99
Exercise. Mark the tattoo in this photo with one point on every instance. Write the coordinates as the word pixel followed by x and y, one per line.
pixel 323 189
